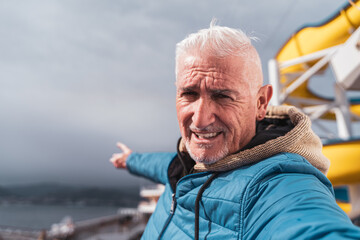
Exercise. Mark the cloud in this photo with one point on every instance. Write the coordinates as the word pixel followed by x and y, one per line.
pixel 76 76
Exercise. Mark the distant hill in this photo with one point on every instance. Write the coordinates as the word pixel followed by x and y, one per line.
pixel 5 192
pixel 52 193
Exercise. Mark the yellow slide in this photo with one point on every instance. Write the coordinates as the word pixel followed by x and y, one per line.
pixel 344 170
pixel 311 38
pixel 345 161
pixel 344 155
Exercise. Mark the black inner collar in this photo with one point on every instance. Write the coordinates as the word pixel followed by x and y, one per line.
pixel 266 130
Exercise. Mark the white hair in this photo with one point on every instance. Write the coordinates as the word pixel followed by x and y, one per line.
pixel 218 41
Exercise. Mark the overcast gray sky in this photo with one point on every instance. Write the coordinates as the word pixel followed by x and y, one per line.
pixel 76 76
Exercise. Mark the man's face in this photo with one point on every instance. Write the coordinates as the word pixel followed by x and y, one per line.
pixel 216 106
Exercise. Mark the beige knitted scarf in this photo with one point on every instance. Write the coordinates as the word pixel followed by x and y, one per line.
pixel 301 140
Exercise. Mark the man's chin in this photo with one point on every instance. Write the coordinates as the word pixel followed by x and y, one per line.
pixel 205 156
pixel 205 153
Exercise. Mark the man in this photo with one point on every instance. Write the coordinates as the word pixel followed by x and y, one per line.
pixel 242 170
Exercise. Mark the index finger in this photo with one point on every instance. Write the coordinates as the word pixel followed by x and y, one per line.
pixel 123 147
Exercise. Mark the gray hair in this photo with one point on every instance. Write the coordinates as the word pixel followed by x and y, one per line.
pixel 218 41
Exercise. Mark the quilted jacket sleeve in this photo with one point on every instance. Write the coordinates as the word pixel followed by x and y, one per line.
pixel 152 166
pixel 296 206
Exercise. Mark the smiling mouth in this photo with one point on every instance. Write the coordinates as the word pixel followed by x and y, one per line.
pixel 207 135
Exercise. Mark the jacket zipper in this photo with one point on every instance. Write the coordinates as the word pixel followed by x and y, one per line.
pixel 172 210
pixel 173 206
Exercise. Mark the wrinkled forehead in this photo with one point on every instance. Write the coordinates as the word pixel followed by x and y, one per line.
pixel 239 66
pixel 246 65
pixel 248 55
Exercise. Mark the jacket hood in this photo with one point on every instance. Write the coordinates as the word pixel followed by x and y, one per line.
pixel 299 139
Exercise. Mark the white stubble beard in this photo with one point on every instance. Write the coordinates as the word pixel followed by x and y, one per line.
pixel 223 152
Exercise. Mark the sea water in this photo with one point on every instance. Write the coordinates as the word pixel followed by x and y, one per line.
pixel 38 217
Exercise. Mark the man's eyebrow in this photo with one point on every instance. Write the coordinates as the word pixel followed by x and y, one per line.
pixel 222 91
pixel 213 91
pixel 187 89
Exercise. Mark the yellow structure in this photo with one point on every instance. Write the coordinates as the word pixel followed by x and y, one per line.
pixel 345 165
pixel 305 49
pixel 345 162
pixel 312 38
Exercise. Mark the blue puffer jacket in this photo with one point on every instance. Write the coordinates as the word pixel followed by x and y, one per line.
pixel 274 188
pixel 282 197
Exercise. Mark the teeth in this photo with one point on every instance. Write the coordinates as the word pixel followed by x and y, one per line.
pixel 206 135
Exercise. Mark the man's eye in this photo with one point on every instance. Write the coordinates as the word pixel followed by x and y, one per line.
pixel 189 94
pixel 222 96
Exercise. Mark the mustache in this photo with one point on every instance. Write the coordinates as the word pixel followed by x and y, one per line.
pixel 210 128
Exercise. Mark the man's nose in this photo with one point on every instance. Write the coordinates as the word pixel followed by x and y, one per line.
pixel 203 113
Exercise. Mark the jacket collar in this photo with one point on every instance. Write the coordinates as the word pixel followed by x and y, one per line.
pixel 297 137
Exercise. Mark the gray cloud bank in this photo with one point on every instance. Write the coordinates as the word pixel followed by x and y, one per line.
pixel 77 76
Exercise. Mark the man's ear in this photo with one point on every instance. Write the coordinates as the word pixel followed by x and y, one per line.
pixel 263 99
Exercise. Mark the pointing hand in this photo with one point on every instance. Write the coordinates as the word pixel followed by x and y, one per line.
pixel 119 159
